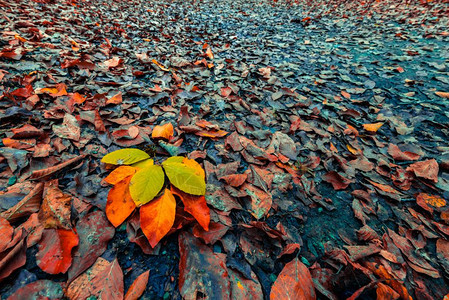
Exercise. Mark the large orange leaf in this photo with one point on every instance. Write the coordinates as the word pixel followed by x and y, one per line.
pixel 55 250
pixel 163 131
pixel 119 205
pixel 157 217
pixel 293 283
pixel 196 206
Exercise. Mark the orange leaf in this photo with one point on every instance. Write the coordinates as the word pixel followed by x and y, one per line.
pixel 78 98
pixel 157 217
pixel 209 53
pixel 442 94
pixel 55 250
pixel 159 65
pixel 58 90
pixel 119 205
pixel 196 206
pixel 428 202
pixel 116 99
pixel 294 282
pixel 163 131
pixel 346 95
pixel 6 232
pixel 119 174
pixel 372 127
pixel 138 287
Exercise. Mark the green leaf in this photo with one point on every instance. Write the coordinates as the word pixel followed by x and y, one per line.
pixel 126 156
pixel 174 159
pixel 189 178
pixel 146 184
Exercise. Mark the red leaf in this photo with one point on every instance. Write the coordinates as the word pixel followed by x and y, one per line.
pixel 398 155
pixel 294 282
pixel 40 289
pixel 138 287
pixel 24 92
pixel 55 208
pixel 26 131
pixel 427 169
pixel 55 250
pixel 338 182
pixel 194 205
pixel 216 232
pixel 6 233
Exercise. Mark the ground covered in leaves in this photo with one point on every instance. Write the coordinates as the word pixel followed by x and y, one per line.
pixel 322 127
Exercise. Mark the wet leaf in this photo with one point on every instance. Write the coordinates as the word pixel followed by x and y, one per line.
pixel 196 206
pixel 427 169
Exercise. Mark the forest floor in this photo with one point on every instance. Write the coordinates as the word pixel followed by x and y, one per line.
pixel 322 126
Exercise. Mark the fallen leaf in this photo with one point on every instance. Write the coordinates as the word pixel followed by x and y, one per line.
pixel 137 288
pixel 54 254
pixel 427 169
pixel 39 289
pixel 157 217
pixel 163 131
pixel 194 205
pixel 372 127
pixel 429 202
pixel 294 282
pixel 399 155
pixel 104 280
pixel 338 182
pixel 119 205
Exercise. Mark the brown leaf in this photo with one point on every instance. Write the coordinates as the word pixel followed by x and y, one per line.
pixel 201 271
pixel 427 169
pixel 294 282
pixel 15 255
pixel 55 209
pixel 216 232
pixel 104 280
pixel 69 129
pixel 28 205
pixel 40 289
pixel 94 232
pixel 398 155
pixel 338 182
pixel 51 170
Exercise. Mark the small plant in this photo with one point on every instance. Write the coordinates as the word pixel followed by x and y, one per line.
pixel 138 182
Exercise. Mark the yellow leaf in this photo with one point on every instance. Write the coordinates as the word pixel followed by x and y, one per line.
pixel 157 217
pixel 146 184
pixel 143 164
pixel 127 156
pixel 372 127
pixel 159 65
pixel 189 177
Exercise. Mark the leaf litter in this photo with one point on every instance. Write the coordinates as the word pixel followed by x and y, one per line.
pixel 322 131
